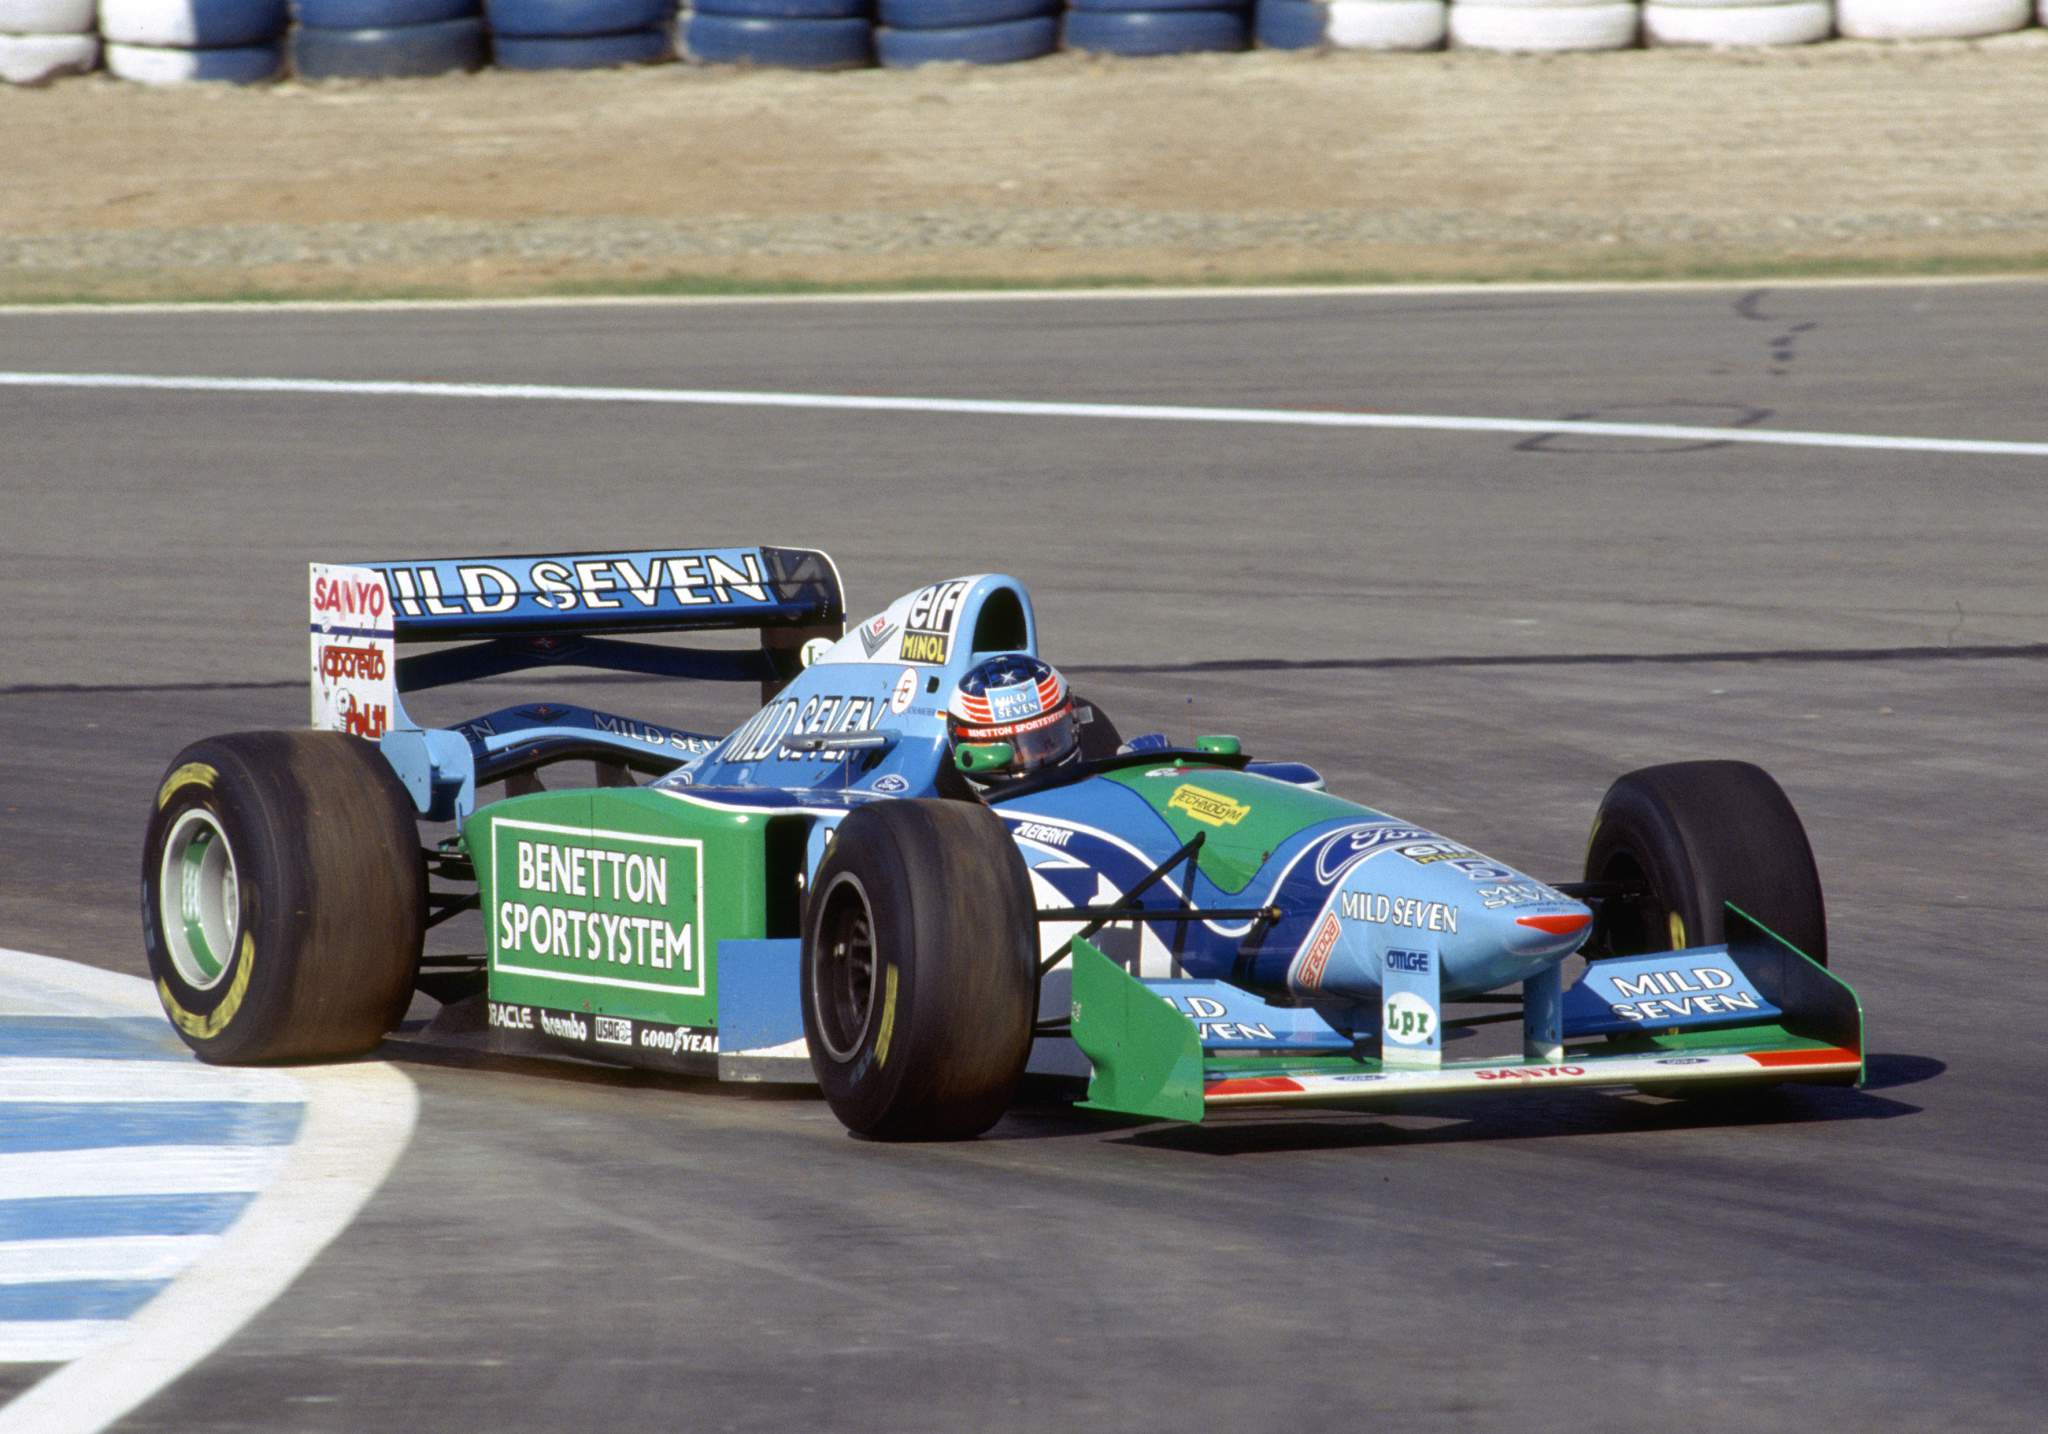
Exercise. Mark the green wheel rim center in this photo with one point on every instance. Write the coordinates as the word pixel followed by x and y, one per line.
pixel 199 899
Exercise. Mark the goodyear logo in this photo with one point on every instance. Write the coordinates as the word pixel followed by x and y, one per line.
pixel 1213 808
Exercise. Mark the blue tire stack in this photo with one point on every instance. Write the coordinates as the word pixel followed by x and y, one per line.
pixel 172 42
pixel 1158 27
pixel 787 34
pixel 1290 24
pixel 580 34
pixel 386 39
pixel 979 32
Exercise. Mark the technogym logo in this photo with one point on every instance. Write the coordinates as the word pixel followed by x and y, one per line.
pixel 1206 806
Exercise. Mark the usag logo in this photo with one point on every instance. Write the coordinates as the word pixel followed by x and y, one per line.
pixel 1213 808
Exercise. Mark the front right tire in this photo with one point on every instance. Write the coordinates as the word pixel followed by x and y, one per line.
pixel 1691 836
pixel 919 970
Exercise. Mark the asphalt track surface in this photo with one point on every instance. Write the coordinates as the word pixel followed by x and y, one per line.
pixel 1476 631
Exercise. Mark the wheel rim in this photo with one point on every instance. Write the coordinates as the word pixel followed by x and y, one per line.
pixel 199 899
pixel 843 969
pixel 1643 925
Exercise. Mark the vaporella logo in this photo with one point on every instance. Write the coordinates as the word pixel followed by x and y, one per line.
pixel 1206 806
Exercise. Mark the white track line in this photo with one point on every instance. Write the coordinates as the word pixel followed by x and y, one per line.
pixel 123 1082
pixel 139 1170
pixel 1033 296
pixel 116 1257
pixel 31 1341
pixel 1011 408
pixel 358 1120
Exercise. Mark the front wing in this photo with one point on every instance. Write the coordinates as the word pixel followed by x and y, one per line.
pixel 1151 1058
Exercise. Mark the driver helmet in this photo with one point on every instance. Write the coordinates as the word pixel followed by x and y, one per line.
pixel 1016 698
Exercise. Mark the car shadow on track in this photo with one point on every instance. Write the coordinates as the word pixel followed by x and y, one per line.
pixel 566 1068
pixel 1530 1117
pixel 1044 1109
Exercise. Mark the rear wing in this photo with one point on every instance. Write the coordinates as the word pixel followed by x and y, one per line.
pixel 567 608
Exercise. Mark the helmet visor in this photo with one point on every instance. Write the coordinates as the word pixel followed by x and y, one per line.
pixel 1041 741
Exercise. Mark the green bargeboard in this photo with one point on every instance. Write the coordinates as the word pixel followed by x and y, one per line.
pixel 613 901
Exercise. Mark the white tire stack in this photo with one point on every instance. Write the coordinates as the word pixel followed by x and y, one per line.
pixel 175 42
pixel 1737 23
pixel 42 39
pixel 1536 26
pixel 1387 24
pixel 1930 19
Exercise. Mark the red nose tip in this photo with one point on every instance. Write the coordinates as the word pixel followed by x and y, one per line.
pixel 1556 925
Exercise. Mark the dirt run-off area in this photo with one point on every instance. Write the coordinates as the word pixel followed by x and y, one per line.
pixel 1836 158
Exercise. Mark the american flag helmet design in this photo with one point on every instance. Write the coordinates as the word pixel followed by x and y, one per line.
pixel 1020 699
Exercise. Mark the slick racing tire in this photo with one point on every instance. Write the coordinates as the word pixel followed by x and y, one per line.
pixel 1695 835
pixel 283 897
pixel 920 979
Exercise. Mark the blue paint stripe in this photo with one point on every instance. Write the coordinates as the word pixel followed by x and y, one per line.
pixel 85 1217
pixel 55 1125
pixel 115 1038
pixel 77 1299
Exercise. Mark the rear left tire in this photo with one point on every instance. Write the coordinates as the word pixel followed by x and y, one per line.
pixel 283 897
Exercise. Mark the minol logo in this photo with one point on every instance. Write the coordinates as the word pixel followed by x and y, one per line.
pixel 928 647
pixel 1213 808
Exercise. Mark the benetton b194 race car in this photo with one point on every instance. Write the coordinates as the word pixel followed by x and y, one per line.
pixel 840 891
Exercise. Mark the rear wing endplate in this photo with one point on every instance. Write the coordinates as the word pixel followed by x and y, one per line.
pixel 566 608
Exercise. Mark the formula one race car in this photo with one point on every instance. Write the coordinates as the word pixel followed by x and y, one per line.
pixel 866 885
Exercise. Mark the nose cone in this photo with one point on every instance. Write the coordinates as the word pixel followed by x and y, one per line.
pixel 1555 932
pixel 1513 943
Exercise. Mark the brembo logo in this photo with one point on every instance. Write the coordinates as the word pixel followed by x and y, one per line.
pixel 1346 848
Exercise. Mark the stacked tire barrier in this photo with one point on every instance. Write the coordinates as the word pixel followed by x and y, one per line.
pixel 980 32
pixel 173 42
pixel 789 34
pixel 1544 26
pixel 42 39
pixel 248 41
pixel 386 39
pixel 1157 27
pixel 1737 23
pixel 580 34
